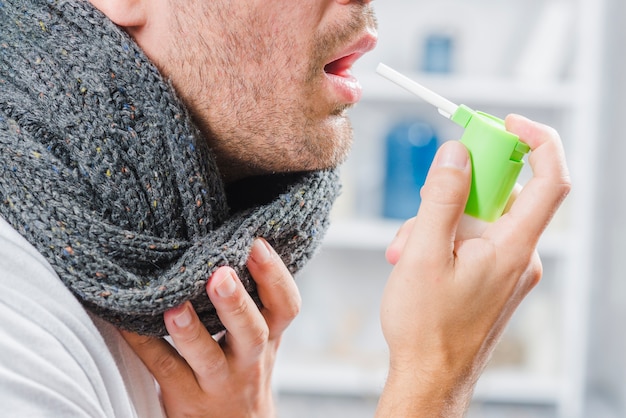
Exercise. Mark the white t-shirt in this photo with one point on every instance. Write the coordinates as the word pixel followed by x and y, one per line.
pixel 56 360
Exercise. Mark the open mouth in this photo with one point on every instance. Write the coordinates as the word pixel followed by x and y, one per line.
pixel 342 66
pixel 343 84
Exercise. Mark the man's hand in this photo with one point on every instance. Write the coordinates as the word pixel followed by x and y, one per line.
pixel 448 299
pixel 230 378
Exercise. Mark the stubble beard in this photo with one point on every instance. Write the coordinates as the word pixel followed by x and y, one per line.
pixel 254 131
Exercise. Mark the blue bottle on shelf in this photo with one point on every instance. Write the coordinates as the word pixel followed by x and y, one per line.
pixel 438 54
pixel 410 149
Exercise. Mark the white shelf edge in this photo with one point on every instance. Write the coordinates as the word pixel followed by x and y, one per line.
pixel 361 234
pixel 517 386
pixel 375 234
pixel 328 379
pixel 333 379
pixel 475 91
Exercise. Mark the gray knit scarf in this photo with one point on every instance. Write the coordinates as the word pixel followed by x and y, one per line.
pixel 103 171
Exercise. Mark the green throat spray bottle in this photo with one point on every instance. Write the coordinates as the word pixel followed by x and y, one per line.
pixel 496 154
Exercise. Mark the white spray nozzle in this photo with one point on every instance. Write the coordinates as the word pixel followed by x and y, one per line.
pixel 445 106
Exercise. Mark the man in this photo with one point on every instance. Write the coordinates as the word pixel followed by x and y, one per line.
pixel 136 169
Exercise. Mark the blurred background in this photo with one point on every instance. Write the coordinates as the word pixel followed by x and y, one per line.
pixel 560 62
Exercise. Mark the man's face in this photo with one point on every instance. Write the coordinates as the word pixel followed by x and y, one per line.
pixel 268 81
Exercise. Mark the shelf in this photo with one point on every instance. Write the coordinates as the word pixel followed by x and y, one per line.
pixel 328 378
pixel 337 348
pixel 474 91
pixel 324 377
pixel 361 234
pixel 375 234
pixel 517 387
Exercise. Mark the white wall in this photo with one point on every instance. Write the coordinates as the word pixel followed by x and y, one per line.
pixel 607 355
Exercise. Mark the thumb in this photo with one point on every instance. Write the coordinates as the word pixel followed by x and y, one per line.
pixel 444 196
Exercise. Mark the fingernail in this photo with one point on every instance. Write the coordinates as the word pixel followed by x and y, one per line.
pixel 260 253
pixel 183 319
pixel 227 286
pixel 452 154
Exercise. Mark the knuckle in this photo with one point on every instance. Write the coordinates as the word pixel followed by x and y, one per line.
pixel 293 309
pixel 566 186
pixel 289 306
pixel 140 342
pixel 212 366
pixel 551 132
pixel 167 366
pixel 528 270
pixel 534 273
pixel 240 308
pixel 190 334
pixel 445 190
pixel 260 339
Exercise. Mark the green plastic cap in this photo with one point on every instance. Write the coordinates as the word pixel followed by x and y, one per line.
pixel 497 159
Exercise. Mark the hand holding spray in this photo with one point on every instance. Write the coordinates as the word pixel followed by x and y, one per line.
pixel 496 154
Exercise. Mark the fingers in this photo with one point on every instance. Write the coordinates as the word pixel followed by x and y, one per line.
pixel 517 189
pixel 250 330
pixel 444 196
pixel 395 248
pixel 276 287
pixel 247 332
pixel 200 351
pixel 550 184
pixel 199 369
pixel 166 365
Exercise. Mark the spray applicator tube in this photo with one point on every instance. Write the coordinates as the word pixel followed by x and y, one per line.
pixel 496 154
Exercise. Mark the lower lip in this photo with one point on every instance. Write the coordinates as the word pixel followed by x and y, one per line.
pixel 347 88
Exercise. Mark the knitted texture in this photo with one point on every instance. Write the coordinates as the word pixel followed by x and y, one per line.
pixel 103 171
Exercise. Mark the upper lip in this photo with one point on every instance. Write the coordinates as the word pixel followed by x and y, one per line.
pixel 343 60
